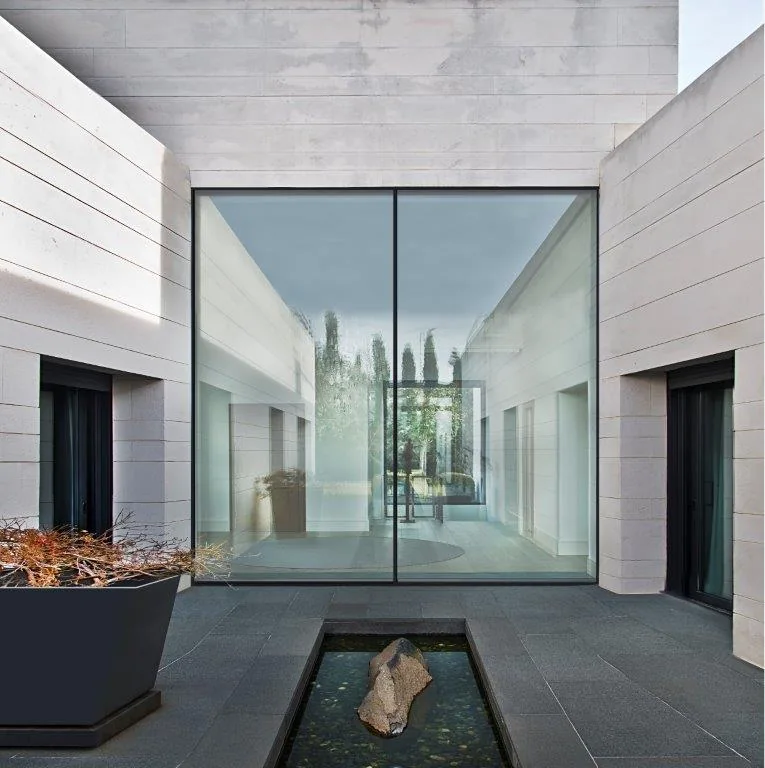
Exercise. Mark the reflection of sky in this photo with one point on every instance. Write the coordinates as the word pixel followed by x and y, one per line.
pixel 458 253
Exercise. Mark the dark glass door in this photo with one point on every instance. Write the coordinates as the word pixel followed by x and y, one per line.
pixel 700 513
pixel 79 421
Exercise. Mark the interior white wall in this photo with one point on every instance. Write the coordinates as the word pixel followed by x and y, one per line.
pixel 95 269
pixel 254 351
pixel 384 93
pixel 681 278
pixel 536 343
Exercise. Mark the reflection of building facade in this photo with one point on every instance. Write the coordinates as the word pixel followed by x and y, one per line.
pixel 256 384
pixel 534 352
pixel 97 306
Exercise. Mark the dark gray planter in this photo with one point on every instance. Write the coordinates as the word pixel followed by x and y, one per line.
pixel 73 656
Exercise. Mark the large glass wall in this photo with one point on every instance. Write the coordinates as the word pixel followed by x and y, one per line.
pixel 473 454
pixel 496 320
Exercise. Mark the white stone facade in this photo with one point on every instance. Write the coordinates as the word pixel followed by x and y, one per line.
pixel 95 212
pixel 95 222
pixel 681 278
pixel 373 93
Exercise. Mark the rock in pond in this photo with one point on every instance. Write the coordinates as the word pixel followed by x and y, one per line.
pixel 396 675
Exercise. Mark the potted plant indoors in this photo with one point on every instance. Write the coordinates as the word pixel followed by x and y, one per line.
pixel 286 488
pixel 84 620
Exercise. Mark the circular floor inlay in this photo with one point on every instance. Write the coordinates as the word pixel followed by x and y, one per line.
pixel 344 552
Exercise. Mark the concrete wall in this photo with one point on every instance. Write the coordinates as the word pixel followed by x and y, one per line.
pixel 94 268
pixel 372 92
pixel 537 347
pixel 681 271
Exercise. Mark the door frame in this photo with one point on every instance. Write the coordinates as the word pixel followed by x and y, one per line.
pixel 87 396
pixel 680 423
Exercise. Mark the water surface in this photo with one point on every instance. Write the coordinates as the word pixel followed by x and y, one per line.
pixel 450 725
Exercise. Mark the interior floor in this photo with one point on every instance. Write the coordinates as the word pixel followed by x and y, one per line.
pixel 427 549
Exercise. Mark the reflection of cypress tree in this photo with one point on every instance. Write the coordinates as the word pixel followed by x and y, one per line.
pixel 380 445
pixel 339 384
pixel 429 361
pixel 332 341
pixel 408 370
pixel 428 410
pixel 456 363
pixel 380 366
pixel 457 413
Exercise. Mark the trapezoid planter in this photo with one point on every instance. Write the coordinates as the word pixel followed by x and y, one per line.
pixel 76 656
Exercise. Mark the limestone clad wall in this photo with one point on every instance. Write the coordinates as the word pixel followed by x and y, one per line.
pixel 307 93
pixel 94 269
pixel 681 278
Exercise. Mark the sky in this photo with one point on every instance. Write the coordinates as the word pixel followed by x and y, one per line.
pixel 711 28
pixel 458 253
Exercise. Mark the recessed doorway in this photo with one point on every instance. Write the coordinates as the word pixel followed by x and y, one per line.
pixel 76 448
pixel 700 491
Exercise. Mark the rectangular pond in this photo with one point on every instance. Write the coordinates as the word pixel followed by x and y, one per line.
pixel 450 724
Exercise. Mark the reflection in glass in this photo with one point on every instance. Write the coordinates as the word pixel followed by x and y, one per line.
pixel 492 473
pixel 294 331
pixel 497 445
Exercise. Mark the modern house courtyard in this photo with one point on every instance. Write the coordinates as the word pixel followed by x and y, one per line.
pixel 436 319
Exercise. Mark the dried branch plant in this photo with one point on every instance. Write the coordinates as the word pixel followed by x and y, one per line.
pixel 58 557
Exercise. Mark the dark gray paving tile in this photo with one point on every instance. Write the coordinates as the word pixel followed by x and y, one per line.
pixel 442 607
pixel 171 732
pixel 480 605
pixel 547 741
pixel 292 637
pixel 743 731
pixel 495 637
pixel 699 627
pixel 89 761
pixel 347 610
pixel 395 610
pixel 727 659
pixel 265 593
pixel 622 720
pixel 310 602
pixel 220 653
pixel 234 740
pixel 619 634
pixel 691 684
pixel 516 687
pixel 540 624
pixel 351 596
pixel 415 626
pixel 558 602
pixel 673 762
pixel 566 657
pixel 268 687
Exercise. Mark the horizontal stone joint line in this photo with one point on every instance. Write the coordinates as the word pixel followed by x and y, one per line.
pixel 93 208
pixel 95 293
pixel 99 139
pixel 677 186
pixel 639 132
pixel 97 186
pixel 680 290
pixel 102 343
pixel 689 336
pixel 680 242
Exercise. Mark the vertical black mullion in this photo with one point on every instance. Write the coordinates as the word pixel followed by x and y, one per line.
pixel 597 385
pixel 394 368
pixel 192 436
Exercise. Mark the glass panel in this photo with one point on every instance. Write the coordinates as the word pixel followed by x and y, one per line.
pixel 496 324
pixel 716 492
pixel 294 332
pixel 46 459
